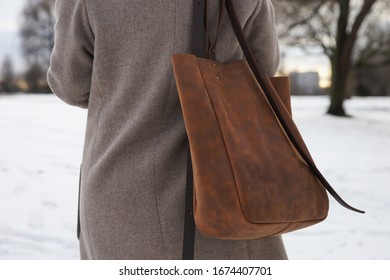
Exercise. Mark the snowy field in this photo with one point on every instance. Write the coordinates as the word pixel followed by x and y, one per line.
pixel 41 142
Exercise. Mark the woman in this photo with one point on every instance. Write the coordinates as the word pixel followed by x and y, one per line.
pixel 113 58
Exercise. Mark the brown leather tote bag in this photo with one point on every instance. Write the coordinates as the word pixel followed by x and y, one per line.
pixel 253 175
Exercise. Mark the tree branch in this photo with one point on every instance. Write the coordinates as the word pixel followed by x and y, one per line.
pixel 305 20
pixel 360 18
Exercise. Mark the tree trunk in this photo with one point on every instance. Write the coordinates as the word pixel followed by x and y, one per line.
pixel 341 59
pixel 339 81
pixel 340 63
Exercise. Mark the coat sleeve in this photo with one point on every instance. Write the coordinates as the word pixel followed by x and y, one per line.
pixel 70 72
pixel 262 37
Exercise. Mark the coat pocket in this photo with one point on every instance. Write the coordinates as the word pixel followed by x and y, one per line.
pixel 78 205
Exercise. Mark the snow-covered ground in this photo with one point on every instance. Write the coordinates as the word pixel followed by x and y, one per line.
pixel 41 142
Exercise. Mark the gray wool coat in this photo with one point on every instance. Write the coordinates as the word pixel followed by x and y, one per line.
pixel 113 58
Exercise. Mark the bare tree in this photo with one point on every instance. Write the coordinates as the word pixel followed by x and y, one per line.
pixel 332 25
pixel 37 34
pixel 8 76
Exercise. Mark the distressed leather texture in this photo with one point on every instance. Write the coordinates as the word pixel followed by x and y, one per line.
pixel 249 181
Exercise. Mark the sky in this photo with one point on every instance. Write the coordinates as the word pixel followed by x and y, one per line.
pixel 10 16
pixel 10 9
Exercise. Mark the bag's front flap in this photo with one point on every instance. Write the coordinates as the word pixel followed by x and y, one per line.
pixel 273 182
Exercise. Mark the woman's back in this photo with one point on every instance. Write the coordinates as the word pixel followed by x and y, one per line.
pixel 113 57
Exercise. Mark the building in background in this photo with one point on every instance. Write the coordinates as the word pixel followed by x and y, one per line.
pixel 306 83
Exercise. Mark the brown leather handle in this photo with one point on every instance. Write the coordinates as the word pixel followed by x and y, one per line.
pixel 277 106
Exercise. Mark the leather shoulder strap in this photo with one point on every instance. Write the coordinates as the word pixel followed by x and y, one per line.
pixel 276 105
